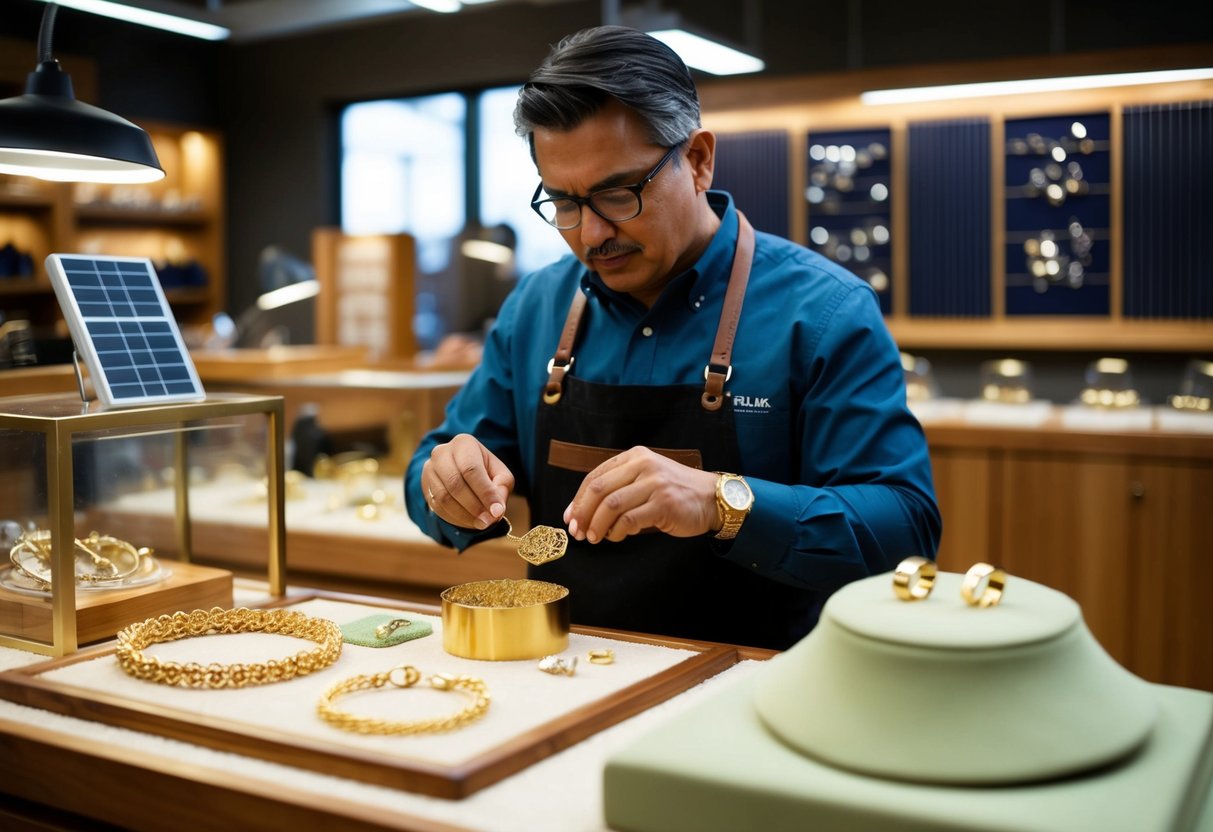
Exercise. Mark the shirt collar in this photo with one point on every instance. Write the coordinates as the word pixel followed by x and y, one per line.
pixel 711 270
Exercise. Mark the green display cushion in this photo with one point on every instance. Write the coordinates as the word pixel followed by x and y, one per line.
pixel 362 631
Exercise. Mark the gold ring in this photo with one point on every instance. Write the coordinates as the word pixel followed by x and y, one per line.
pixel 914 578
pixel 386 629
pixel 983 585
pixel 603 656
pixel 430 491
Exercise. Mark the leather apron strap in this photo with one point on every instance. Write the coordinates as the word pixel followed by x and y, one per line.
pixel 719 368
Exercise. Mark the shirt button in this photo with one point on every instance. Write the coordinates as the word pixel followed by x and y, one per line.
pixel 647 331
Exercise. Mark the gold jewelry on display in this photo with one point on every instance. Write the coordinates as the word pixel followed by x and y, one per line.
pixel 914 578
pixel 983 585
pixel 404 676
pixel 558 666
pixel 100 558
pixel 603 656
pixel 541 544
pixel 135 637
pixel 387 628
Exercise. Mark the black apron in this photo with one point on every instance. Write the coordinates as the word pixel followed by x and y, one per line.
pixel 652 582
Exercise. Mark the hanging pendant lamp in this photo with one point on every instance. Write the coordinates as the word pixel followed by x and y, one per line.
pixel 48 134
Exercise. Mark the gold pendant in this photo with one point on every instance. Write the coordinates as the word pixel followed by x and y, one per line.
pixel 542 544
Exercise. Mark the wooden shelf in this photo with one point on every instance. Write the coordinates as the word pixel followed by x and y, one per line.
pixel 21 286
pixel 142 216
pixel 1052 334
pixel 127 220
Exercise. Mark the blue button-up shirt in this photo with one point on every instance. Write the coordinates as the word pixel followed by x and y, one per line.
pixel 838 465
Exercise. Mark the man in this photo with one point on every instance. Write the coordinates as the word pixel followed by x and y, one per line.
pixel 619 383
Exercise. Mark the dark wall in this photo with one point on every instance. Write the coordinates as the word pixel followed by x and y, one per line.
pixel 141 73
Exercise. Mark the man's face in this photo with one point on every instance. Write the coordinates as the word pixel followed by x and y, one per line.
pixel 612 148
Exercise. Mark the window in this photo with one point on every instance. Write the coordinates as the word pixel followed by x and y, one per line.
pixel 507 180
pixel 402 171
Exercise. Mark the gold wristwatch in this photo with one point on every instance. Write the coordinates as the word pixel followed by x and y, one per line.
pixel 734 499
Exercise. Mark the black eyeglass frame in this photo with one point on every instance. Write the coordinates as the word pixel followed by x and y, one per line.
pixel 581 201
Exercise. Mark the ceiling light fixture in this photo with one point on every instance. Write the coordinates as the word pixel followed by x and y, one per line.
pixel 440 6
pixel 48 134
pixel 146 17
pixel 911 95
pixel 697 48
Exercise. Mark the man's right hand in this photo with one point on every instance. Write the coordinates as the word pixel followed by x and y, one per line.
pixel 465 484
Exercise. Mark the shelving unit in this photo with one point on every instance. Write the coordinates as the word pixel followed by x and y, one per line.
pixel 179 221
pixel 956 245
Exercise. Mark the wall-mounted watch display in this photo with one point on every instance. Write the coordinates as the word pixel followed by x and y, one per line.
pixel 849 206
pixel 1057 189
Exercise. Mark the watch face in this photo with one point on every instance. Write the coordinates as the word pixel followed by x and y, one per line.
pixel 737 494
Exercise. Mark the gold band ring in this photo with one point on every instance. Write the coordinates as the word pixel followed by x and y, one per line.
pixel 983 585
pixel 603 656
pixel 914 578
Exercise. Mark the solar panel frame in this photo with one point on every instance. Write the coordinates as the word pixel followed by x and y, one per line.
pixel 124 329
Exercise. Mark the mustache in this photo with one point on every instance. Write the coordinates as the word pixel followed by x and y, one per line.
pixel 610 250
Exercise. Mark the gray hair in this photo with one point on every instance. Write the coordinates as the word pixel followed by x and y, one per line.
pixel 584 70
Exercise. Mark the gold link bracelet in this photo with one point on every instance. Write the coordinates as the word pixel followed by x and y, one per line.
pixel 404 676
pixel 134 638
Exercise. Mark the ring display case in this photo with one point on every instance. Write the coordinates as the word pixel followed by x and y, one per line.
pixel 75 574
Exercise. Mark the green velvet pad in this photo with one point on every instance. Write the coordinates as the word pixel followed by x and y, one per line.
pixel 362 631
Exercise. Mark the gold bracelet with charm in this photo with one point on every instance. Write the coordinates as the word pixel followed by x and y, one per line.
pixel 404 676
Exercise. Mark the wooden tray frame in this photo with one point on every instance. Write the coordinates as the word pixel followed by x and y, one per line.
pixel 28 686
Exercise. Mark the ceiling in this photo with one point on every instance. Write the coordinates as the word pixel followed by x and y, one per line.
pixel 251 20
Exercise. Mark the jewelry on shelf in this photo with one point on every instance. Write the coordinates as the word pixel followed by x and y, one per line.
pixel 404 676
pixel 541 544
pixel 558 666
pixel 983 585
pixel 603 656
pixel 134 638
pixel 100 558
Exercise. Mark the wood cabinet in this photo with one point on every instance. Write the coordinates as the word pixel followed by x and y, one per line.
pixel 1118 522
pixel 178 222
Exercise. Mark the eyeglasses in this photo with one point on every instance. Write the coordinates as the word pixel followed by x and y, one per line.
pixel 612 204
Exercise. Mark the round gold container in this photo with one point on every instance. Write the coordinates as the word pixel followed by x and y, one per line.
pixel 505 620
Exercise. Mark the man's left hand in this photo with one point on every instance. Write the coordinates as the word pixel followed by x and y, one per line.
pixel 640 489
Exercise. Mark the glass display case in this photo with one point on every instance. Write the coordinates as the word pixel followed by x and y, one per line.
pixel 80 564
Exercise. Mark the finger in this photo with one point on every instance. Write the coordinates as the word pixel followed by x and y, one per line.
pixel 626 512
pixel 604 498
pixel 443 485
pixel 502 480
pixel 474 488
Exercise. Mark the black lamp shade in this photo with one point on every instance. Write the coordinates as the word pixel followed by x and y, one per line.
pixel 47 133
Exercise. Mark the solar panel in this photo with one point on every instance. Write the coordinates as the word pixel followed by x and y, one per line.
pixel 124 330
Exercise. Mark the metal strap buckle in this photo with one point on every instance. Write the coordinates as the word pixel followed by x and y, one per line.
pixel 707 369
pixel 565 367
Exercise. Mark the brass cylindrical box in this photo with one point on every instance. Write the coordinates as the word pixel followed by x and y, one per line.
pixel 505 620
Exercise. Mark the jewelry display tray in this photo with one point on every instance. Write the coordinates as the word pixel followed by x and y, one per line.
pixel 414 764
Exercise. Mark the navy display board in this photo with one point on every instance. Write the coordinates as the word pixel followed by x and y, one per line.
pixel 753 167
pixel 1058 215
pixel 849 204
pixel 949 184
pixel 1168 213
pixel 124 330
